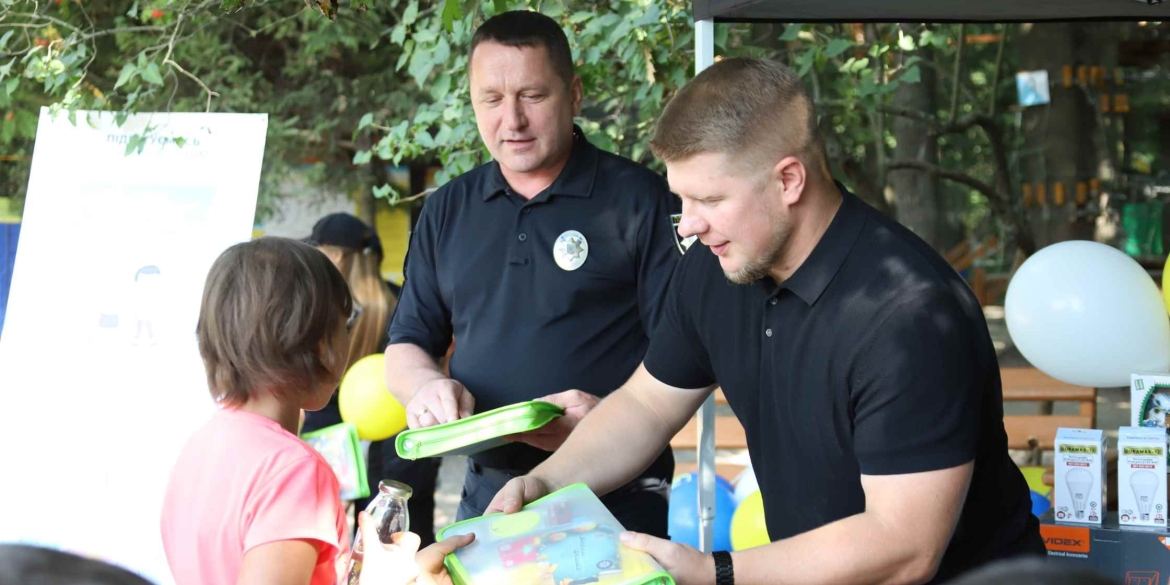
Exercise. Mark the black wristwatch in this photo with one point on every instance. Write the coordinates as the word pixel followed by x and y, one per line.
pixel 724 572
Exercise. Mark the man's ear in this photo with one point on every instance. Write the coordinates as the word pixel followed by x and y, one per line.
pixel 576 95
pixel 789 177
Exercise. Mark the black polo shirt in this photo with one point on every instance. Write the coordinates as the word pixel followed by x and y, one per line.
pixel 481 268
pixel 872 358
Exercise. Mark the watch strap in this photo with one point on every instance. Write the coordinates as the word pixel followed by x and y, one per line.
pixel 724 571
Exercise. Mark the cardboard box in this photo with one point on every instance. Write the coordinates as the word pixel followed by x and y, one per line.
pixel 1135 556
pixel 1080 476
pixel 1141 476
pixel 1149 401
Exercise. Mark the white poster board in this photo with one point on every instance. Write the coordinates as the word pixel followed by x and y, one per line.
pixel 99 368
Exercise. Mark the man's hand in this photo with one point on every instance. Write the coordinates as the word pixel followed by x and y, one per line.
pixel 401 563
pixel 517 492
pixel 576 403
pixel 439 401
pixel 687 565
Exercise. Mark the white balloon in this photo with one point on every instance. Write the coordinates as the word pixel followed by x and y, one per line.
pixel 745 485
pixel 1087 314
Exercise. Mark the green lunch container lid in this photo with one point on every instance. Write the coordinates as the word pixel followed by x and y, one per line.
pixel 474 434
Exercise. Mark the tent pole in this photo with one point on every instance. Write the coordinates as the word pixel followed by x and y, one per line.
pixel 704 58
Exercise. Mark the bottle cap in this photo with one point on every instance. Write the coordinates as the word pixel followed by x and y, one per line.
pixel 395 488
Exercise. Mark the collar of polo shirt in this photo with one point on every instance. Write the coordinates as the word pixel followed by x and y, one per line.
pixel 575 180
pixel 818 270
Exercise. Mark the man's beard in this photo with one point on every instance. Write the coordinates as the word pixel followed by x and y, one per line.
pixel 762 265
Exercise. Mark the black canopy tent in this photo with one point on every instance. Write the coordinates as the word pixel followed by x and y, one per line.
pixel 709 12
pixel 928 10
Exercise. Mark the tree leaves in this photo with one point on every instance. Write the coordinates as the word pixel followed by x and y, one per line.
pixel 366 120
pixel 837 46
pixel 152 75
pixel 398 35
pixel 906 42
pixel 410 15
pixel 806 60
pixel 384 191
pixel 129 71
pixel 911 75
pixel 137 142
pixel 854 65
pixel 451 12
pixel 442 51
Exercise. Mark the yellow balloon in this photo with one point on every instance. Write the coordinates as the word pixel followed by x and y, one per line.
pixel 1035 478
pixel 1166 284
pixel 748 529
pixel 365 401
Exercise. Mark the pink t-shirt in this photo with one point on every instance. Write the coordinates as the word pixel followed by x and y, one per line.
pixel 243 481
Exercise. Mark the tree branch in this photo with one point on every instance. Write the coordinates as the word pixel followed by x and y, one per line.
pixel 115 31
pixel 879 118
pixel 174 91
pixel 923 117
pixel 964 124
pixel 210 94
pixel 987 190
pixel 958 72
pixel 85 13
pixel 168 61
pixel 931 121
pixel 995 77
pixel 33 16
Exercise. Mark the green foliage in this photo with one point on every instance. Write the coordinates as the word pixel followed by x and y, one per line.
pixel 854 71
pixel 631 56
pixel 353 86
pixel 314 77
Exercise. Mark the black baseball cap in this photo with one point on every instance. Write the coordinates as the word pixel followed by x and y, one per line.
pixel 344 231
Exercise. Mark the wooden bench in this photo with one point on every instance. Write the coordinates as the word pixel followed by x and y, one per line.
pixel 727 471
pixel 1037 432
pixel 729 434
pixel 987 287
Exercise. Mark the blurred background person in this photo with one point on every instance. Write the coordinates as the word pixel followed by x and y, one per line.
pixel 356 250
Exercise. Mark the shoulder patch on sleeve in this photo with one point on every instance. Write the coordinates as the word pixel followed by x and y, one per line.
pixel 683 243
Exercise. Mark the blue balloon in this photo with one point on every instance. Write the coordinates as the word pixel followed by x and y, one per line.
pixel 720 481
pixel 1040 504
pixel 683 523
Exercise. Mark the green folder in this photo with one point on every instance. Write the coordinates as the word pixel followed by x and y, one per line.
pixel 474 434
pixel 340 447
pixel 567 536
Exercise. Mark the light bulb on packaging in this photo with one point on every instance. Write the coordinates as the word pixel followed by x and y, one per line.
pixel 1079 483
pixel 1145 487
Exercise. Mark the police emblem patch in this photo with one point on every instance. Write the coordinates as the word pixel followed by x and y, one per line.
pixel 683 244
pixel 570 250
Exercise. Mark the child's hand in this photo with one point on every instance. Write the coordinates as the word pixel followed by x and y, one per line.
pixel 401 563
pixel 388 564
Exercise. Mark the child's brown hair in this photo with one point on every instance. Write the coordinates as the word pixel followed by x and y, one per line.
pixel 270 310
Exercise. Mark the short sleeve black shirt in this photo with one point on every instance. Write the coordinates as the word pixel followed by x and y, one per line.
pixel 872 358
pixel 481 268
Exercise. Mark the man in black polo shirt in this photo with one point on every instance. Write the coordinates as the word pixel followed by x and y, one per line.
pixel 548 266
pixel 857 360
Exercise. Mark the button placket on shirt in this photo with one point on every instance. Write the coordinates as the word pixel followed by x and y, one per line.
pixel 771 303
pixel 524 211
pixel 520 254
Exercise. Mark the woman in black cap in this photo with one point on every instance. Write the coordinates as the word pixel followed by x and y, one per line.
pixel 356 250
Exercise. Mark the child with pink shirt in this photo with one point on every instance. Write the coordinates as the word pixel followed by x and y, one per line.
pixel 248 501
